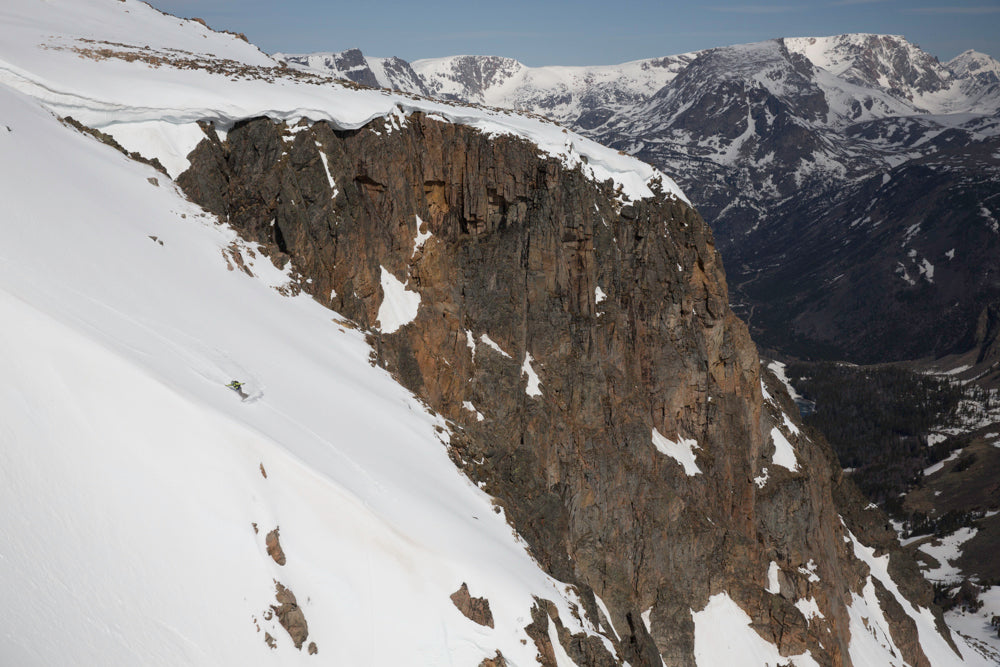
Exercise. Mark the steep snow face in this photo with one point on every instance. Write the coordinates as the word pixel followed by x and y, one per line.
pixel 134 491
pixel 147 78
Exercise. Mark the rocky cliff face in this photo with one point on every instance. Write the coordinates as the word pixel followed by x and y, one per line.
pixel 788 148
pixel 579 345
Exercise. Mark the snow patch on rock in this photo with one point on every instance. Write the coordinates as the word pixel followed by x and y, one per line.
pixel 399 305
pixel 681 451
pixel 773 586
pixel 784 453
pixel 533 388
pixel 489 342
pixel 723 636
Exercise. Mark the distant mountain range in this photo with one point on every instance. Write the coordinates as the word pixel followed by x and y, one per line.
pixel 853 182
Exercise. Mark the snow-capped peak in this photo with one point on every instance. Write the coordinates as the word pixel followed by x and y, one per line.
pixel 467 77
pixel 973 64
pixel 889 62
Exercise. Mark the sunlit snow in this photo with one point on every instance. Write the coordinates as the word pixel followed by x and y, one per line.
pixel 784 453
pixel 723 636
pixel 399 305
pixel 533 387
pixel 489 342
pixel 681 451
pixel 773 586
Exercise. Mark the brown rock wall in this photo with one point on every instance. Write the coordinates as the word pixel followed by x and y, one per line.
pixel 519 246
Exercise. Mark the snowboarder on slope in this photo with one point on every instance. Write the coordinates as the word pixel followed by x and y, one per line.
pixel 237 386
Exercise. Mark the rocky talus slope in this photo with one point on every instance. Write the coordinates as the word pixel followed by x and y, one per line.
pixel 571 338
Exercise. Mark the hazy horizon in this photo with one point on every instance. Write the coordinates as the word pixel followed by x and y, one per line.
pixel 586 33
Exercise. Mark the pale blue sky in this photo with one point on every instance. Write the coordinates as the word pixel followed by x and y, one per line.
pixel 587 32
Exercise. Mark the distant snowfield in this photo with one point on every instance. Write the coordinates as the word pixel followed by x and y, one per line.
pixel 153 107
pixel 130 476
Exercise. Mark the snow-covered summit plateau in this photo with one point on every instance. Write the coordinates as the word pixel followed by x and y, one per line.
pixel 147 78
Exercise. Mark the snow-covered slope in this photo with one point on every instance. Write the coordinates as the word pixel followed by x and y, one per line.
pixel 133 479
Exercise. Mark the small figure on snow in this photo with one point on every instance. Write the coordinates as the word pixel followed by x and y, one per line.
pixel 237 386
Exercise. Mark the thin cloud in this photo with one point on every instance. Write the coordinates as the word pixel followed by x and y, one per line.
pixel 954 10
pixel 757 9
pixel 486 34
pixel 842 3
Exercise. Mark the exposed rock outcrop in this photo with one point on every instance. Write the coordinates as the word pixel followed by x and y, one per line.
pixel 582 649
pixel 290 615
pixel 585 332
pixel 274 549
pixel 856 223
pixel 496 661
pixel 475 609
